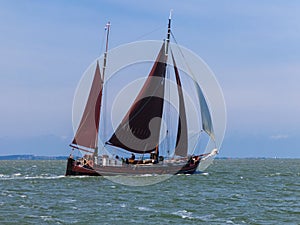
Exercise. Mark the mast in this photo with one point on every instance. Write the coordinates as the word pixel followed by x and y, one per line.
pixel 169 91
pixel 169 33
pixel 107 27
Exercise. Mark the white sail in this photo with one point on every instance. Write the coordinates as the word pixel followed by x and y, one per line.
pixel 207 125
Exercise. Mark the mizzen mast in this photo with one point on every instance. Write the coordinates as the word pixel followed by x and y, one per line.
pixel 107 27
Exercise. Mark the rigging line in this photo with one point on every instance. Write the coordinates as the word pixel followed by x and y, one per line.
pixel 197 133
pixel 182 53
pixel 119 149
pixel 104 150
pixel 148 33
pixel 169 109
pixel 102 43
pixel 188 67
pixel 190 70
pixel 195 145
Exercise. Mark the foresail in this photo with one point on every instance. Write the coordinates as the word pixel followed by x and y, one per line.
pixel 207 124
pixel 182 132
pixel 139 130
pixel 87 132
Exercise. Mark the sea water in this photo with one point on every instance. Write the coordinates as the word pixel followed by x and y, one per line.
pixel 231 191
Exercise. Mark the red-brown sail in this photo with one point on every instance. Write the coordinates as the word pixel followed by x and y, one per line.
pixel 87 132
pixel 182 133
pixel 139 130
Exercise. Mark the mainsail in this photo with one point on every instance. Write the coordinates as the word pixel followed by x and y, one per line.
pixel 139 130
pixel 182 132
pixel 87 132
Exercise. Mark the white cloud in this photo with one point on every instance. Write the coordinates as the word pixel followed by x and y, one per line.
pixel 279 136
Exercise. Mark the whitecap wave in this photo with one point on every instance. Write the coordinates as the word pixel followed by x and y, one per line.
pixel 143 208
pixel 184 214
pixel 27 177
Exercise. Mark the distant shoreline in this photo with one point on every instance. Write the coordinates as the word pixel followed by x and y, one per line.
pixel 35 157
pixel 32 157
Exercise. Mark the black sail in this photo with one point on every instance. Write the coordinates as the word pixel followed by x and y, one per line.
pixel 182 132
pixel 139 130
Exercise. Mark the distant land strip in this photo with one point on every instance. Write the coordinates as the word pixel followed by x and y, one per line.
pixel 32 157
pixel 35 157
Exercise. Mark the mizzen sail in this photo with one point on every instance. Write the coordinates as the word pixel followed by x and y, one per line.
pixel 87 132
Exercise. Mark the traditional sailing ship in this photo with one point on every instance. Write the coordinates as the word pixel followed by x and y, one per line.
pixel 133 135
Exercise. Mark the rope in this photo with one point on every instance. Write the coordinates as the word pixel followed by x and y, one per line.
pixel 190 71
pixel 146 34
pixel 102 43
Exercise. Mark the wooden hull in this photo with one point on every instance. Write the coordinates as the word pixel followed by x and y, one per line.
pixel 76 170
pixel 134 169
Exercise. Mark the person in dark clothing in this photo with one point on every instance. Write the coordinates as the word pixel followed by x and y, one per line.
pixel 132 156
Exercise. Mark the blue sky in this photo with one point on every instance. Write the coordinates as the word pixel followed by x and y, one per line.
pixel 253 47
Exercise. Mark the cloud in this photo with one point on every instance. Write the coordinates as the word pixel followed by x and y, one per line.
pixel 279 136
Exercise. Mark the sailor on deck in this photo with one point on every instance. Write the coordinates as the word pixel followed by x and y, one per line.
pixel 132 156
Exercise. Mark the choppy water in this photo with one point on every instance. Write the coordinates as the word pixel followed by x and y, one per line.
pixel 239 191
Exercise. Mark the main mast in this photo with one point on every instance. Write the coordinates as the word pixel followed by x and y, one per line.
pixel 169 33
pixel 167 51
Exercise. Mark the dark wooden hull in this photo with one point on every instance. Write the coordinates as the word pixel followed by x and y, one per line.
pixel 133 169
pixel 76 170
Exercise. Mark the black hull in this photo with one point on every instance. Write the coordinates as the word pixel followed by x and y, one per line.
pixel 189 167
